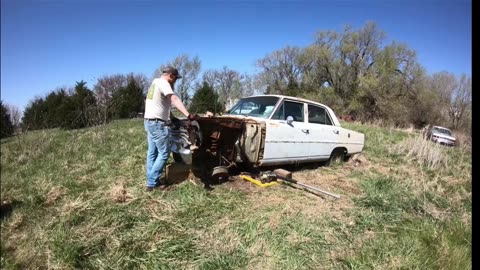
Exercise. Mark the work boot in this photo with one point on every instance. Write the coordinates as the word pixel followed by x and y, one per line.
pixel 159 187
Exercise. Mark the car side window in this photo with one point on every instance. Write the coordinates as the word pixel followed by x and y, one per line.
pixel 318 115
pixel 288 108
pixel 295 110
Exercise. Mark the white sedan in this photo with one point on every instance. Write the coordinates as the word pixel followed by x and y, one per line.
pixel 441 135
pixel 271 130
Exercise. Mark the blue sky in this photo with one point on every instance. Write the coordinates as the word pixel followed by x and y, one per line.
pixel 47 44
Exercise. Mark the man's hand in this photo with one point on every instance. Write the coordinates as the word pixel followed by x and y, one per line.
pixel 193 117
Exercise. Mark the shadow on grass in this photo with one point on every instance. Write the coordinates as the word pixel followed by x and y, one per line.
pixel 7 206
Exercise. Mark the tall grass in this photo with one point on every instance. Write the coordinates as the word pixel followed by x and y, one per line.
pixel 424 151
pixel 78 202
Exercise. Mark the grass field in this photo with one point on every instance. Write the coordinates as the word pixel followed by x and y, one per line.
pixel 77 201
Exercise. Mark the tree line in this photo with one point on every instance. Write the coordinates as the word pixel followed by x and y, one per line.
pixel 81 107
pixel 353 71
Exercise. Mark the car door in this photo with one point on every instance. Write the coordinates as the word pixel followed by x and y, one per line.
pixel 324 135
pixel 286 142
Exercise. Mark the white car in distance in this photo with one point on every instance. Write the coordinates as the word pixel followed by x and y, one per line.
pixel 441 135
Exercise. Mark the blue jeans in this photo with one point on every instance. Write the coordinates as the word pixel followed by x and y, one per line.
pixel 158 150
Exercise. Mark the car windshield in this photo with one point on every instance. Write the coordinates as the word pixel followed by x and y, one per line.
pixel 443 131
pixel 261 107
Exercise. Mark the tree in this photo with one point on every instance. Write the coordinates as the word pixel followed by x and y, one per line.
pixel 53 106
pixel 188 69
pixel 205 99
pixel 208 77
pixel 424 109
pixel 390 88
pixel 76 107
pixel 129 100
pixel 105 88
pixel 109 86
pixel 249 85
pixel 34 116
pixel 228 85
pixel 340 60
pixel 443 84
pixel 15 115
pixel 454 97
pixel 7 126
pixel 461 101
pixel 281 70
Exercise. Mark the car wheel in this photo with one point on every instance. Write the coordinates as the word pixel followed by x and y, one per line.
pixel 337 157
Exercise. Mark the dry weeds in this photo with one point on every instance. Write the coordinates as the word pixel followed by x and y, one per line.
pixel 119 193
pixel 17 220
pixel 262 257
pixel 79 204
pixel 464 140
pixel 425 152
pixel 410 129
pixel 291 199
pixel 54 194
pixel 237 183
pixel 273 205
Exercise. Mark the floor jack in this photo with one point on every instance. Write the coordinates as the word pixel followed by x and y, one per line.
pixel 269 178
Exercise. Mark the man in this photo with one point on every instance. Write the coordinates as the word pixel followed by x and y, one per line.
pixel 159 99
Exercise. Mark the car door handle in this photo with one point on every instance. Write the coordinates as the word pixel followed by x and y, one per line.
pixel 306 131
pixel 336 132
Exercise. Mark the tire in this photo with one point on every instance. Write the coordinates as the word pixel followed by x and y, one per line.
pixel 337 157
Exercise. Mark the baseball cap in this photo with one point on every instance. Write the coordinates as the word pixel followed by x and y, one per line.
pixel 173 71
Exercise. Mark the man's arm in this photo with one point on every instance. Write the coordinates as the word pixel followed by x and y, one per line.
pixel 178 104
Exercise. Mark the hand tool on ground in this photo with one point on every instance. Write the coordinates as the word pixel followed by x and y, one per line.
pixel 268 176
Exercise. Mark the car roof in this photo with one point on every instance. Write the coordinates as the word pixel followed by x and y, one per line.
pixel 440 127
pixel 334 118
pixel 290 97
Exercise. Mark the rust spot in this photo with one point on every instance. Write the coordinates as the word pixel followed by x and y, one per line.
pixel 219 144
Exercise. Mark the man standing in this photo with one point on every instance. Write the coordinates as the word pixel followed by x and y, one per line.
pixel 159 99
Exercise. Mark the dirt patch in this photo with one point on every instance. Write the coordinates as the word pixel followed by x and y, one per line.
pixel 348 186
pixel 237 183
pixel 119 194
pixel 334 180
pixel 435 212
pixel 358 160
pixel 289 199
pixel 53 195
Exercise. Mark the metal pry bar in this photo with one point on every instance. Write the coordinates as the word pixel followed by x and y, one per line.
pixel 307 186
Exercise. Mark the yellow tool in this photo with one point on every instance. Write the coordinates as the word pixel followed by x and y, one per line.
pixel 257 182
pixel 270 178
